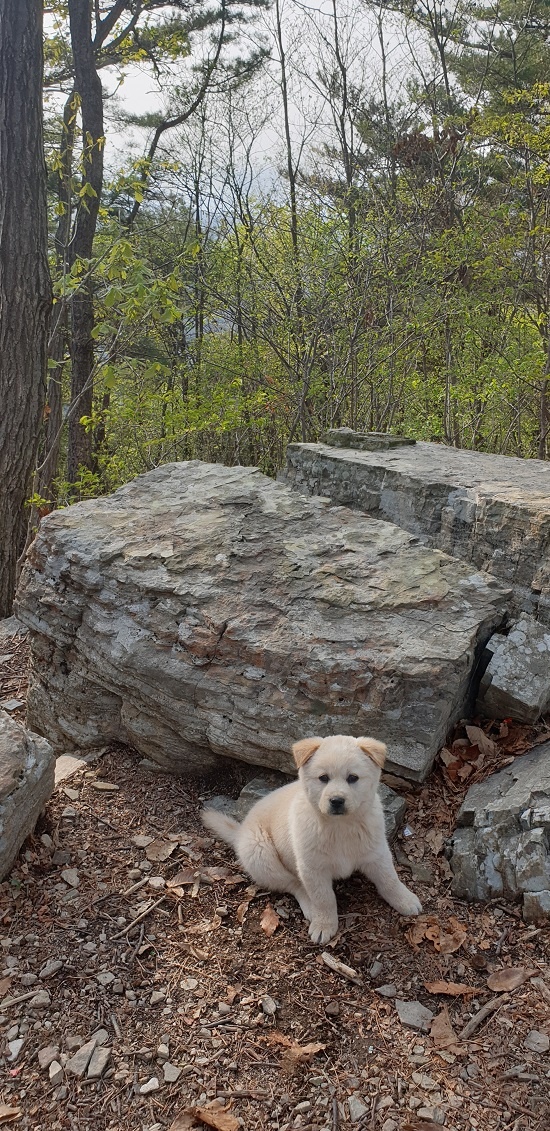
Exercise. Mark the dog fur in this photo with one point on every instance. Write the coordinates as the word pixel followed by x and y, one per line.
pixel 320 828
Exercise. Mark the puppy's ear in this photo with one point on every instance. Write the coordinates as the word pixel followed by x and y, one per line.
pixel 375 750
pixel 305 749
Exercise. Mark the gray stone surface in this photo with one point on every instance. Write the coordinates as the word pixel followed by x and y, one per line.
pixel 493 511
pixel 365 441
pixel 26 782
pixel 502 846
pixel 414 1015
pixel 516 684
pixel 203 611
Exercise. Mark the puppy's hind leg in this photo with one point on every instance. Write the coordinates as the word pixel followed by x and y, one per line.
pixel 259 857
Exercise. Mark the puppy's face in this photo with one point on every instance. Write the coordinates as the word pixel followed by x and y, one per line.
pixel 340 774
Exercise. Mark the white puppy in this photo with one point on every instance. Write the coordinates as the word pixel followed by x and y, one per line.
pixel 322 827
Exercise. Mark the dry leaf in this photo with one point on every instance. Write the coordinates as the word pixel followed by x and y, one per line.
pixel 241 911
pixel 218 1118
pixel 443 1034
pixel 295 1054
pixel 485 744
pixel 269 921
pixel 5 984
pixel 509 978
pixel 183 1122
pixel 9 1114
pixel 235 878
pixel 160 849
pixel 185 876
pixel 452 937
pixel 446 939
pixel 341 968
pixel 452 989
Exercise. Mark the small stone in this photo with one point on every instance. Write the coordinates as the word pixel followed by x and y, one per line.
pixel 304 1105
pixel 98 1063
pixel 72 794
pixel 375 969
pixel 71 877
pixel 51 967
pixel 389 1125
pixel 357 1109
pixel 69 812
pixel 434 1114
pixel 424 1082
pixel 104 786
pixel 163 1052
pixel 414 1015
pixel 118 986
pixel 388 990
pixel 46 840
pixel 157 996
pixel 536 908
pixel 28 979
pixel 15 1048
pixel 78 1063
pixel 101 1037
pixel 11 704
pixel 156 882
pixel 40 1000
pixel 268 1005
pixel 224 1008
pixel 536 1041
pixel 74 1041
pixel 47 1055
pixel 55 1072
pixel 332 1008
pixel 171 1072
pixel 152 1085
pixel 189 984
pixel 105 977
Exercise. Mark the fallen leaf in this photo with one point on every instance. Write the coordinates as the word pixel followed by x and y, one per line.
pixel 218 1118
pixel 443 1034
pixel 295 1054
pixel 183 1122
pixel 269 921
pixel 341 968
pixel 509 978
pixel 452 937
pixel 485 744
pixel 184 876
pixel 452 989
pixel 8 1114
pixel 241 911
pixel 160 849
pixel 5 984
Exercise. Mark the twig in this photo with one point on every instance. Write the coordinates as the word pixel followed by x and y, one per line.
pixel 116 1025
pixel 335 1115
pixel 485 1011
pixel 120 934
pixel 135 887
pixel 133 955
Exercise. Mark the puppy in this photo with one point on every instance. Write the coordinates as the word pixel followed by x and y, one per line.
pixel 322 827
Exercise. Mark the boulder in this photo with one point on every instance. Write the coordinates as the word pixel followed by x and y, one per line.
pixel 204 611
pixel 516 682
pixel 490 510
pixel 26 782
pixel 502 844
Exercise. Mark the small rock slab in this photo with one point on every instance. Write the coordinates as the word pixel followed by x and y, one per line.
pixel 78 1063
pixel 500 847
pixel 357 1109
pixel 26 784
pixel 536 1041
pixel 414 1015
pixel 98 1063
pixel 365 441
pixel 516 683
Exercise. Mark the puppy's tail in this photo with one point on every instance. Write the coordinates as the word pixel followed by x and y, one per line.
pixel 223 826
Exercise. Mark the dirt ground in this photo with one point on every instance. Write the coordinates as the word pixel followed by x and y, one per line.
pixel 124 925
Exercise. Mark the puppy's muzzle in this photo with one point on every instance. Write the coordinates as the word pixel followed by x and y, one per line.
pixel 337 805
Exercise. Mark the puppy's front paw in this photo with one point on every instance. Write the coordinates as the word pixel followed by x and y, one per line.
pixel 406 902
pixel 322 932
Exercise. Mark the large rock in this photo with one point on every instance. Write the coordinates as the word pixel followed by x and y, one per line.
pixel 26 783
pixel 493 511
pixel 516 682
pixel 204 611
pixel 502 845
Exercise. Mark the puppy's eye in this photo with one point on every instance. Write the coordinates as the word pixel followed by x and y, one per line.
pixel 324 778
pixel 352 778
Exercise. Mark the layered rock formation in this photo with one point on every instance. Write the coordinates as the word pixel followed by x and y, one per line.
pixel 204 611
pixel 26 782
pixel 493 511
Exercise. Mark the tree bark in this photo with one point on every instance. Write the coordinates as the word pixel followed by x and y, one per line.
pixel 25 292
pixel 89 90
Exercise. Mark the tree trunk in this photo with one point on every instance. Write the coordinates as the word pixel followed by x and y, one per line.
pixel 25 294
pixel 88 88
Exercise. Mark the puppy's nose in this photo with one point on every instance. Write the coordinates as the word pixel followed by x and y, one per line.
pixel 337 804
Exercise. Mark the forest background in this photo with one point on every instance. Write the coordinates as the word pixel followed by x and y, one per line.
pixel 330 214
